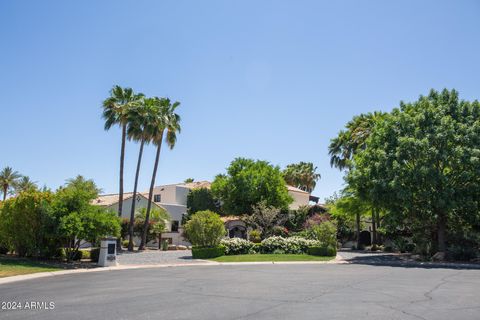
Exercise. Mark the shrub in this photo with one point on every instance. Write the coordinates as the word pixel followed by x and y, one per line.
pixel 207 252
pixel 327 251
pixel 325 233
pixel 255 236
pixel 280 231
pixel 295 245
pixel 125 243
pixel 164 245
pixel 388 249
pixel 3 250
pixel 461 253
pixel 236 246
pixel 205 229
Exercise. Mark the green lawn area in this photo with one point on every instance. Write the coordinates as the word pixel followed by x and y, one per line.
pixel 270 257
pixel 12 267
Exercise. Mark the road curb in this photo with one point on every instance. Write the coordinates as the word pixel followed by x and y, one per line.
pixel 337 260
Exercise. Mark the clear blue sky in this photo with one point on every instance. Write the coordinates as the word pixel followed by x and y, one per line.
pixel 272 80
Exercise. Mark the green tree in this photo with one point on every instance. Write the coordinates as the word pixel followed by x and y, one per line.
pixel 157 224
pixel 166 124
pixel 8 179
pixel 189 180
pixel 116 110
pixel 302 175
pixel 247 183
pixel 27 223
pixel 90 224
pixel 205 229
pixel 421 163
pixel 200 199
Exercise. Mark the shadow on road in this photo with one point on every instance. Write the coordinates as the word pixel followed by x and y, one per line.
pixel 399 260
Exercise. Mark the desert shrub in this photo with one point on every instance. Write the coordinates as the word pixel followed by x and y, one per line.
pixel 255 236
pixel 327 251
pixel 294 245
pixel 205 229
pixel 208 252
pixel 236 246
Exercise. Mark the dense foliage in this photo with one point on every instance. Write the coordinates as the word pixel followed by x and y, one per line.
pixel 200 199
pixel 247 183
pixel 302 175
pixel 40 223
pixel 205 229
pixel 266 219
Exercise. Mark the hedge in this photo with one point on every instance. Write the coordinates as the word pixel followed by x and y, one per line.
pixel 207 252
pixel 328 251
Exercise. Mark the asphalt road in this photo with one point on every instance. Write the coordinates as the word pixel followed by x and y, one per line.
pixel 325 291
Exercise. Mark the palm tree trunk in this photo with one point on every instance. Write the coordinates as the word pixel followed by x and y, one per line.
pixel 150 197
pixel 122 163
pixel 374 228
pixel 441 231
pixel 357 223
pixel 5 188
pixel 134 196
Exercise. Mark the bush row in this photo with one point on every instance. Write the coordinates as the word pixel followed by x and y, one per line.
pixel 294 245
pixel 207 252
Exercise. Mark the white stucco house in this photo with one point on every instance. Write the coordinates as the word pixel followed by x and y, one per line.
pixel 173 198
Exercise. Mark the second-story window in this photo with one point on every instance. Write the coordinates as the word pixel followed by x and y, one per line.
pixel 157 198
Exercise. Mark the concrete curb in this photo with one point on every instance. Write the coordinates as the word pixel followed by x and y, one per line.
pixel 337 260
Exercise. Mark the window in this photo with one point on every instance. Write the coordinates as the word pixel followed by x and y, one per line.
pixel 175 226
pixel 157 198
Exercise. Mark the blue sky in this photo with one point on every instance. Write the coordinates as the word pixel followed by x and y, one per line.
pixel 271 80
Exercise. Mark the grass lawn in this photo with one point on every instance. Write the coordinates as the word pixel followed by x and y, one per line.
pixel 270 257
pixel 12 267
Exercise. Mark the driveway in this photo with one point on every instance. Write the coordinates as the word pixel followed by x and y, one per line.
pixel 151 257
pixel 321 291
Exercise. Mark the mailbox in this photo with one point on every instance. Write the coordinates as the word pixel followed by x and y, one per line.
pixel 108 252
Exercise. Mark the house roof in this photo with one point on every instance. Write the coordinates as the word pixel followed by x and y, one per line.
pixel 196 184
pixel 107 200
pixel 294 189
pixel 230 218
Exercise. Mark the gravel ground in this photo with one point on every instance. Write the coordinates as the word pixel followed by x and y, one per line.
pixel 156 257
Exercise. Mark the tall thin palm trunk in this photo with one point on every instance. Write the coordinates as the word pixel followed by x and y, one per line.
pixel 5 193
pixel 134 196
pixel 122 164
pixel 374 228
pixel 150 196
pixel 357 223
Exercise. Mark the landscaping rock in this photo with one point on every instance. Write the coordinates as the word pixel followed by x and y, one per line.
pixel 439 256
pixel 180 247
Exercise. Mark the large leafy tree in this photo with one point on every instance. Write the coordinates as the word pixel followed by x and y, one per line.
pixel 166 125
pixel 302 175
pixel 422 162
pixel 116 111
pixel 8 179
pixel 247 183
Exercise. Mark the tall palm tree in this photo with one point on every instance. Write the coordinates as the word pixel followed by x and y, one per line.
pixel 24 184
pixel 302 175
pixel 8 179
pixel 115 112
pixel 139 129
pixel 343 148
pixel 167 124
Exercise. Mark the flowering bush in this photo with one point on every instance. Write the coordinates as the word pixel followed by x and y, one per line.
pixel 236 246
pixel 295 245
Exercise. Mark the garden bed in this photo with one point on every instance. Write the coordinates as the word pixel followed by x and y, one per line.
pixel 270 257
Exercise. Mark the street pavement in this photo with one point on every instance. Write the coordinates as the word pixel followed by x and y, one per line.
pixel 274 291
